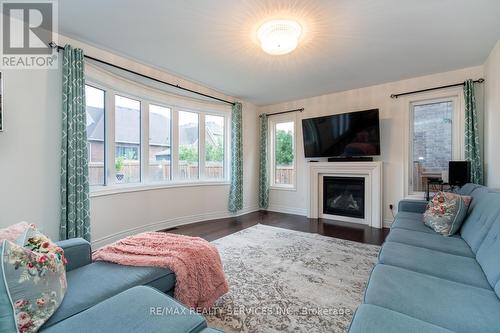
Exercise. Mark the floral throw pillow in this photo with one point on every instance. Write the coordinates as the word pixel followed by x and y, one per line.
pixel 34 280
pixel 446 212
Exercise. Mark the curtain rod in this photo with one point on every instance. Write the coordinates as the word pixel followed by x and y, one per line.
pixel 481 80
pixel 58 48
pixel 273 114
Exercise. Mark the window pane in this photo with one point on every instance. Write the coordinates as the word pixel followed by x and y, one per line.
pixel 127 140
pixel 188 145
pixel 214 147
pixel 94 100
pixel 432 142
pixel 283 153
pixel 160 154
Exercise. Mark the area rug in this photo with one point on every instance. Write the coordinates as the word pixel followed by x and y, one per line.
pixel 288 281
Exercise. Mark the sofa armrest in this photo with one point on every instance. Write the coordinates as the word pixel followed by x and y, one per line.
pixel 77 251
pixel 412 206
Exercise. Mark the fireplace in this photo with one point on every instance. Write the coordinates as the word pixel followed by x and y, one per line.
pixel 344 196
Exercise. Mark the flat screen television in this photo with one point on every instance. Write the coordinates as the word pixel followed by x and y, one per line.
pixel 342 135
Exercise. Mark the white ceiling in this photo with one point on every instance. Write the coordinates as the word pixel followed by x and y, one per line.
pixel 347 43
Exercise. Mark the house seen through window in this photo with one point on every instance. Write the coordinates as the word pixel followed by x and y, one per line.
pixel 214 147
pixel 127 140
pixel 160 145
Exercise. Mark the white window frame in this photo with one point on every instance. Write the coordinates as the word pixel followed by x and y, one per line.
pixel 227 133
pixel 165 100
pixel 105 143
pixel 285 118
pixel 112 180
pixel 454 95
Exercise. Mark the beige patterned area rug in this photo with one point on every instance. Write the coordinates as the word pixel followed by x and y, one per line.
pixel 289 281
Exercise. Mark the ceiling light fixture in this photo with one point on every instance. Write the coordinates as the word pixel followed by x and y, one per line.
pixel 278 37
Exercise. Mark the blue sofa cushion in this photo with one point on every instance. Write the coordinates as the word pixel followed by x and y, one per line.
pixel 91 284
pixel 413 206
pixel 444 265
pixel 452 305
pixel 409 215
pixel 140 309
pixel 467 189
pixel 485 208
pixel 453 245
pixel 77 251
pixel 411 221
pixel 374 319
pixel 488 254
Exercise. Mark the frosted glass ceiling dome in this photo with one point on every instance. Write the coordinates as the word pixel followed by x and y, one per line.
pixel 278 37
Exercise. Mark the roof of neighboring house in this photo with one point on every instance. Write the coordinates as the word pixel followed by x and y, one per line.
pixel 128 123
pixel 214 128
pixel 214 131
pixel 95 124
pixel 188 134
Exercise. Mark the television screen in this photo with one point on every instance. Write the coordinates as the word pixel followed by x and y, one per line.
pixel 342 135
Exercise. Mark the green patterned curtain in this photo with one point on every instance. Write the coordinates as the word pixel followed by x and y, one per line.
pixel 75 216
pixel 472 139
pixel 236 187
pixel 263 181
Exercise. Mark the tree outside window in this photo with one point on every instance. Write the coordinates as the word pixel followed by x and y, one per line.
pixel 284 153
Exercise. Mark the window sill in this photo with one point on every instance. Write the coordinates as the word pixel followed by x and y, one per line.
pixel 283 188
pixel 99 191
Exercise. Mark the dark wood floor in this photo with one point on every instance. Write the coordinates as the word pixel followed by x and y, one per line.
pixel 214 229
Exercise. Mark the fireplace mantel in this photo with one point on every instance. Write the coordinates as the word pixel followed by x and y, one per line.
pixel 371 171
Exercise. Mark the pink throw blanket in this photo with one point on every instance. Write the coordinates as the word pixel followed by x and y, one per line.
pixel 200 279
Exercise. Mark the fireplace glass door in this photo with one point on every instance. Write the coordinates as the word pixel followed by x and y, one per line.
pixel 344 196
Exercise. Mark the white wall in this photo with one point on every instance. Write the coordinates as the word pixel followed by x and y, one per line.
pixel 29 148
pixel 492 117
pixel 393 127
pixel 30 159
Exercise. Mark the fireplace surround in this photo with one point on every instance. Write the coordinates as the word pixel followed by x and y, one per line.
pixel 371 172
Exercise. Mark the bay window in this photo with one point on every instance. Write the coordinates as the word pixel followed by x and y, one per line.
pixel 152 142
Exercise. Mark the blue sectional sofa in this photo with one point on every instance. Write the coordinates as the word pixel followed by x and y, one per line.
pixel 105 297
pixel 425 282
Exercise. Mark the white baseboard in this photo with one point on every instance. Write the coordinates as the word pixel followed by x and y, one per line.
pixel 387 223
pixel 287 210
pixel 171 223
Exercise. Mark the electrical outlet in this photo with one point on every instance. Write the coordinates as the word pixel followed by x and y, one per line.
pixel 391 206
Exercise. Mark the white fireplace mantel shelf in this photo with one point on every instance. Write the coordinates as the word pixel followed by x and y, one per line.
pixel 371 171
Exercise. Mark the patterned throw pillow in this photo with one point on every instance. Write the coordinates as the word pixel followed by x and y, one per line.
pixel 32 279
pixel 446 212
